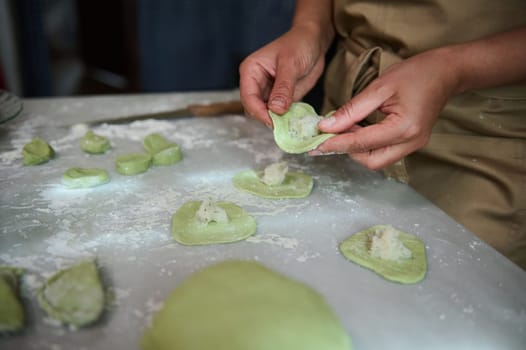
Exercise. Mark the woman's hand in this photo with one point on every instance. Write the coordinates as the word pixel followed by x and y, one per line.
pixel 287 68
pixel 411 94
pixel 281 72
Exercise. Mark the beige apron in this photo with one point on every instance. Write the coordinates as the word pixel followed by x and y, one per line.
pixel 474 166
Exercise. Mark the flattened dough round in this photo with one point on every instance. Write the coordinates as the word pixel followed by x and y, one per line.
pixel 93 143
pixel 242 305
pixel 406 271
pixel 74 295
pixel 162 151
pixel 85 177
pixel 282 136
pixel 295 185
pixel 37 152
pixel 133 164
pixel 11 308
pixel 188 230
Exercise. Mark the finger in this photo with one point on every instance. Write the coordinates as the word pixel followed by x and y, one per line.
pixel 282 92
pixel 254 88
pixel 357 109
pixel 388 132
pixel 380 158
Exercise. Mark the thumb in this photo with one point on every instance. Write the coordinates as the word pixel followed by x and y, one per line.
pixel 281 95
pixel 357 109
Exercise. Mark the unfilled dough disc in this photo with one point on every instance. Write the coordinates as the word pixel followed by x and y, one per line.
pixel 241 305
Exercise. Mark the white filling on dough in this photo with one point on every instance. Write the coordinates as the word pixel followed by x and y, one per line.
pixel 275 174
pixel 386 245
pixel 305 127
pixel 210 212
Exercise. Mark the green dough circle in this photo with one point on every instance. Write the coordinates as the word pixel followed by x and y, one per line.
pixel 406 271
pixel 93 143
pixel 186 229
pixel 134 163
pixel 242 305
pixel 37 152
pixel 295 185
pixel 84 177
pixel 285 141
pixel 74 295
pixel 162 151
pixel 11 309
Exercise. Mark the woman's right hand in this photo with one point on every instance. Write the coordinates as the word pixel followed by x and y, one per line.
pixel 282 72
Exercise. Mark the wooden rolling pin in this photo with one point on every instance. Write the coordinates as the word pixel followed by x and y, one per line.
pixel 194 110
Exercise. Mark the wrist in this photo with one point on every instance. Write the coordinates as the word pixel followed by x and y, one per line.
pixel 315 16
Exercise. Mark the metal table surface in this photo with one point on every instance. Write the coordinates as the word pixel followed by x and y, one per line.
pixel 471 298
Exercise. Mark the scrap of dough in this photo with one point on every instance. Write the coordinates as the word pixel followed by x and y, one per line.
pixel 133 163
pixel 74 295
pixel 386 245
pixel 407 271
pixel 296 131
pixel 241 305
pixel 162 151
pixel 85 177
pixel 188 228
pixel 11 309
pixel 293 185
pixel 37 152
pixel 93 143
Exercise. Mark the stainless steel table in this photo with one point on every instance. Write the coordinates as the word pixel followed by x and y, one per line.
pixel 471 298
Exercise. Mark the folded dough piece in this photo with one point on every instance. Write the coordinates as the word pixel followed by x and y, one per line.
pixel 297 131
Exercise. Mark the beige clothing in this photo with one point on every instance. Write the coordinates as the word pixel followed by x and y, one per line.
pixel 474 166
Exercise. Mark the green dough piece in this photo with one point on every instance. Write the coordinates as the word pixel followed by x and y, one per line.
pixel 11 309
pixel 242 305
pixel 295 185
pixel 288 142
pixel 37 152
pixel 162 151
pixel 74 295
pixel 406 271
pixel 83 178
pixel 188 230
pixel 93 143
pixel 134 163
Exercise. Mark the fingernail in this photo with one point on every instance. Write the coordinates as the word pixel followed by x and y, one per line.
pixel 278 102
pixel 328 122
pixel 315 153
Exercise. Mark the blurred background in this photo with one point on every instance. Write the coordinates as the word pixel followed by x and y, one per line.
pixel 85 47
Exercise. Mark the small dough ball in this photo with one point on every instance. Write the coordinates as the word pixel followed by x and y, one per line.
pixel 242 305
pixel 133 163
pixel 93 143
pixel 162 151
pixel 37 152
pixel 85 177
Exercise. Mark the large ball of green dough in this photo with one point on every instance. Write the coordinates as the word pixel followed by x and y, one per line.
pixel 241 305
